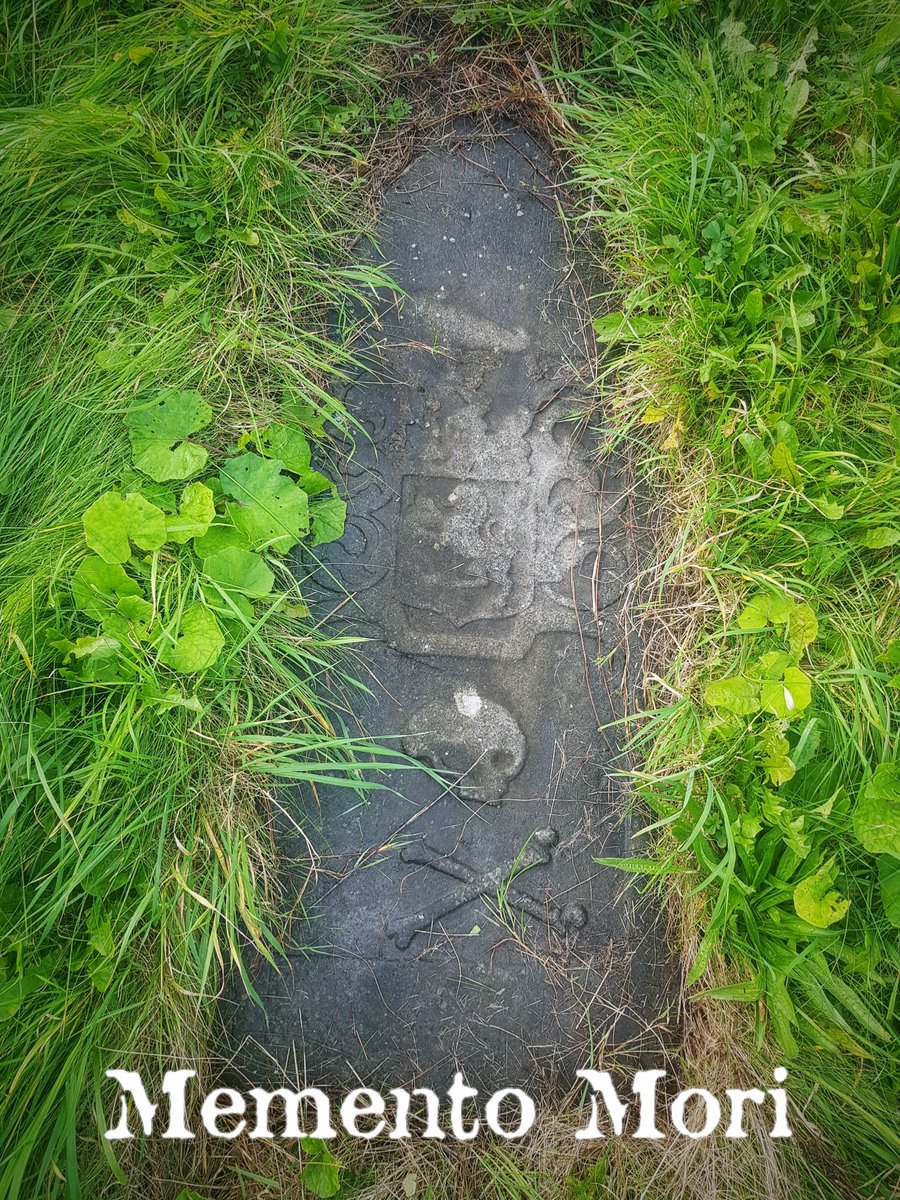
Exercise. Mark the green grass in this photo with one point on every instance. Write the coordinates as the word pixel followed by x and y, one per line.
pixel 744 170
pixel 178 191
pixel 180 187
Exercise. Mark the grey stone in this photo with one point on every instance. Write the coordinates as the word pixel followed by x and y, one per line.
pixel 464 922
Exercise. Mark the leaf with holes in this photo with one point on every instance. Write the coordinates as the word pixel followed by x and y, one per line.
pixel 269 508
pixel 815 900
pixel 198 644
pixel 195 514
pixel 113 522
pixel 159 431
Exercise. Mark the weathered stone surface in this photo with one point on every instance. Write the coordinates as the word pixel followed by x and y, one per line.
pixel 467 922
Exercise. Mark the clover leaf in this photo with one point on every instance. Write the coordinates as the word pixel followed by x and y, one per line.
pixel 876 821
pixel 159 430
pixel 270 509
pixel 816 902
pixel 113 522
pixel 98 585
pixel 195 515
pixel 199 642
pixel 239 571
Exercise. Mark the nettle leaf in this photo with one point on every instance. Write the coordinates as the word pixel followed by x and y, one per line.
pixel 159 431
pixel 816 902
pixel 240 571
pixel 802 627
pixel 199 642
pixel 880 538
pixel 328 518
pixel 97 586
pixel 113 522
pixel 270 509
pixel 889 886
pixel 763 608
pixel 786 697
pixel 876 821
pixel 736 695
pixel 196 514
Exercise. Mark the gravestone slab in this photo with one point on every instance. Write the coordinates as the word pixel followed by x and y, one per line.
pixel 464 922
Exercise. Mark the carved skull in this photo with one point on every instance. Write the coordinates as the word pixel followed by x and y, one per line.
pixel 474 739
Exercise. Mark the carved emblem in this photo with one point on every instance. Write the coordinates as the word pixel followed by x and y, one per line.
pixel 476 739
pixel 497 881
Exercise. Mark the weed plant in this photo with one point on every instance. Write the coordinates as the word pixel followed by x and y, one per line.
pixel 743 166
pixel 178 189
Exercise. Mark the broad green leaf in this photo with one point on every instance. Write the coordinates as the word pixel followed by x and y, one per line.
pixel 736 695
pixel 763 608
pixel 880 538
pixel 240 571
pixel 112 522
pixel 889 886
pixel 653 414
pixel 195 515
pixel 327 518
pixel 786 697
pixel 288 445
pixel 221 535
pixel 199 642
pixel 760 459
pixel 802 627
pixel 138 54
pixel 321 1172
pixel 776 757
pixel 100 928
pixel 135 608
pixel 98 585
pixel 830 509
pixel 891 653
pixel 753 306
pixel 159 430
pixel 876 820
pixel 271 509
pixel 784 465
pixel 816 901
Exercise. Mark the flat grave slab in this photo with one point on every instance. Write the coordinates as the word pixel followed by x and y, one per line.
pixel 464 923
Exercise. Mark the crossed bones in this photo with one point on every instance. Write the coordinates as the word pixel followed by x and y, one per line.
pixel 537 852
